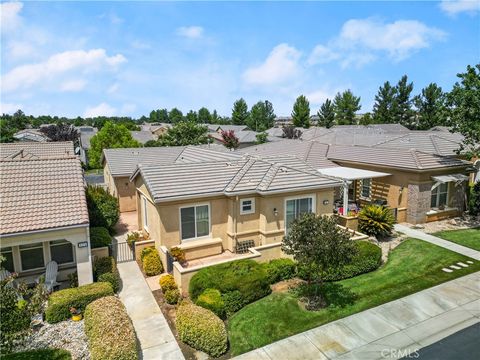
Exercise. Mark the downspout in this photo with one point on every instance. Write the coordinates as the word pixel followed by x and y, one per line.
pixel 235 222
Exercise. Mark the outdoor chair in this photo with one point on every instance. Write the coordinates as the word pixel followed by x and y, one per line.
pixel 50 276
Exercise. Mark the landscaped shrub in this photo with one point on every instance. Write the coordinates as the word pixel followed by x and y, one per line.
pixel 103 265
pixel 110 331
pixel 99 237
pixel 43 354
pixel 280 269
pixel 152 264
pixel 146 251
pixel 167 282
pixel 376 220
pixel 103 208
pixel 368 258
pixel 133 237
pixel 178 254
pixel 172 296
pixel 248 277
pixel 211 299
pixel 233 301
pixel 113 278
pixel 474 199
pixel 60 302
pixel 201 329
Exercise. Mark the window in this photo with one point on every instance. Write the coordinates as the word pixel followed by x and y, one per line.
pixel 31 256
pixel 145 215
pixel 61 251
pixel 439 196
pixel 195 221
pixel 296 207
pixel 365 188
pixel 7 264
pixel 247 206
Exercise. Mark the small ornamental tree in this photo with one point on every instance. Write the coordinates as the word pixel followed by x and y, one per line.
pixel 318 245
pixel 291 132
pixel 184 133
pixel 61 132
pixel 103 210
pixel 229 139
pixel 301 112
pixel 262 138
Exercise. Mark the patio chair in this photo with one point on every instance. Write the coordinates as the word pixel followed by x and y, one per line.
pixel 50 276
pixel 4 274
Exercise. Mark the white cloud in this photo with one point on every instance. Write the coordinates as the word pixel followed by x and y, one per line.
pixel 73 85
pixel 57 65
pixel 357 60
pixel 280 66
pixel 113 88
pixel 9 108
pixel 128 108
pixel 10 18
pixel 453 7
pixel 190 32
pixel 322 54
pixel 102 109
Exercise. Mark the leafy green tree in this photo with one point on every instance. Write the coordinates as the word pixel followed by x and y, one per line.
pixel 261 116
pixel 204 116
pixel 326 114
pixel 403 103
pixel 215 117
pixel 346 106
pixel 366 119
pixel 464 106
pixel 111 136
pixel 103 209
pixel 192 116
pixel 184 133
pixel 6 130
pixel 160 115
pixel 175 116
pixel 384 109
pixel 430 106
pixel 240 112
pixel 318 245
pixel 229 139
pixel 301 112
pixel 261 138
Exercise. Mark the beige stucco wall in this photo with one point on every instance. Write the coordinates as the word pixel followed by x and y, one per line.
pixel 75 235
pixel 122 188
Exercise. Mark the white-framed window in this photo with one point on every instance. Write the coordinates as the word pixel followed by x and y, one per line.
pixel 195 221
pixel 7 264
pixel 31 256
pixel 61 251
pixel 295 207
pixel 247 206
pixel 439 196
pixel 365 188
pixel 145 212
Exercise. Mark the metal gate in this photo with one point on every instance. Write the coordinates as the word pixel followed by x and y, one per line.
pixel 169 262
pixel 122 252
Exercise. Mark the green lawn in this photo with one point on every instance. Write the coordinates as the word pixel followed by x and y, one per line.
pixel 413 266
pixel 94 172
pixel 467 237
pixel 44 354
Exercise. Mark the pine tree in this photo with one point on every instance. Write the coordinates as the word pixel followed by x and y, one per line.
pixel 175 115
pixel 301 112
pixel 204 116
pixel 403 103
pixel 326 114
pixel 261 116
pixel 240 112
pixel 192 116
pixel 346 105
pixel 430 106
pixel 384 109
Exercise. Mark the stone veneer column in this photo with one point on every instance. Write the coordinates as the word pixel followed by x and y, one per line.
pixel 419 197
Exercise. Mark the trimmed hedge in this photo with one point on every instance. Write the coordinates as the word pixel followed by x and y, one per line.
pixel 103 209
pixel 60 302
pixel 99 237
pixel 167 282
pixel 105 269
pixel 152 265
pixel 368 258
pixel 44 354
pixel 146 251
pixel 247 277
pixel 201 329
pixel 113 278
pixel 172 296
pixel 211 299
pixel 110 331
pixel 280 269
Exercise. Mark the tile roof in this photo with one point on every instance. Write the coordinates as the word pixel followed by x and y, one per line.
pixel 143 136
pixel 31 135
pixel 250 175
pixel 41 194
pixel 407 159
pixel 236 128
pixel 21 150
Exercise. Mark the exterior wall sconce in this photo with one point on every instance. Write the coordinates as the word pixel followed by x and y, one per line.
pixel 326 202
pixel 401 189
pixel 275 211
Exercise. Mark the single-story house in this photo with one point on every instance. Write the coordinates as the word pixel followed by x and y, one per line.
pixel 31 135
pixel 21 150
pixel 246 138
pixel 44 216
pixel 143 136
pixel 209 207
pixel 119 164
pixel 86 134
pixel 219 128
pixel 157 129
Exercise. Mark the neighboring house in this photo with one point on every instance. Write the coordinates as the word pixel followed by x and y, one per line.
pixel 219 128
pixel 16 151
pixel 119 164
pixel 143 136
pixel 157 129
pixel 31 135
pixel 246 138
pixel 86 134
pixel 43 214
pixel 209 207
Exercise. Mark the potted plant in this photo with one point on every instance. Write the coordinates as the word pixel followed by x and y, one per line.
pixel 76 314
pixel 178 254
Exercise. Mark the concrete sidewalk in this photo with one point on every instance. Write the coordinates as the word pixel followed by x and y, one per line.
pixel 474 254
pixel 392 330
pixel 154 334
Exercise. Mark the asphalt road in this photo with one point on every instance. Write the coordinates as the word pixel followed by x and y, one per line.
pixel 463 345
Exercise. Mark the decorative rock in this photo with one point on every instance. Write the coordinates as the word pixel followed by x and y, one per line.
pixel 462 264
pixel 447 270
pixel 455 267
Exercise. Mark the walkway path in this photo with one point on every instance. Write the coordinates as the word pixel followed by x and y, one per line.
pixel 474 254
pixel 391 330
pixel 154 334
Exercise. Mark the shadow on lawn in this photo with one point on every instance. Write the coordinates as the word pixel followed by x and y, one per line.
pixel 327 294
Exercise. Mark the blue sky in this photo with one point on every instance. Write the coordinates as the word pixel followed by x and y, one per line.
pixel 127 58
